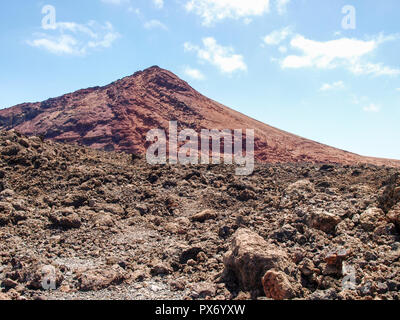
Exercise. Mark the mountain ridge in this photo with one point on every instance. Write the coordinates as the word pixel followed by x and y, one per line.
pixel 117 117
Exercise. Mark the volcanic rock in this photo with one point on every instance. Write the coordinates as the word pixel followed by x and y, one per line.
pixel 204 215
pixel 204 289
pixel 40 276
pixel 118 116
pixel 65 219
pixel 324 221
pixel 250 256
pixel 371 218
pixel 100 278
pixel 4 297
pixel 277 286
pixel 116 246
pixel 160 268
pixel 394 215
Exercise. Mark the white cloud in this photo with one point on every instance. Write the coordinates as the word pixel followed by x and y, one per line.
pixel 63 44
pixel 212 11
pixel 277 36
pixel 326 54
pixel 398 89
pixel 159 3
pixel 281 6
pixel 194 73
pixel 224 58
pixel 372 108
pixel 105 42
pixel 153 24
pixel 75 39
pixel 377 69
pixel 344 52
pixel 74 28
pixel 332 86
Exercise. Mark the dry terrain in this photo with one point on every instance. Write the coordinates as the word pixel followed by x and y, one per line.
pixel 106 225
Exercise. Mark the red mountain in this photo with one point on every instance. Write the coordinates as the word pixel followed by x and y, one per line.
pixel 118 116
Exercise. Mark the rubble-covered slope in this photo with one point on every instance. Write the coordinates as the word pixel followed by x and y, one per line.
pixel 107 226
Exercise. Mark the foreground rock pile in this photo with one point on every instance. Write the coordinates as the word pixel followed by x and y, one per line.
pixel 76 223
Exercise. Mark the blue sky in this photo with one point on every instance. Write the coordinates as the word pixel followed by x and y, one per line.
pixel 288 63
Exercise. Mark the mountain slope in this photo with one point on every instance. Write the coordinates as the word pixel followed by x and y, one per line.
pixel 118 116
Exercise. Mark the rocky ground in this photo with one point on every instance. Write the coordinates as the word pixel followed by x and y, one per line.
pixel 100 225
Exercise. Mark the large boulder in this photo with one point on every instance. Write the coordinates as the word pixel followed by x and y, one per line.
pixel 372 218
pixel 250 257
pixel 42 276
pixel 324 221
pixel 100 278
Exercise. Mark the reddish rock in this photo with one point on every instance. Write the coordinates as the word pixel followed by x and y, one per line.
pixel 103 219
pixel 389 196
pixel 250 257
pixel 277 286
pixel 8 283
pixel 307 267
pixel 334 261
pixel 394 215
pixel 336 257
pixel 118 116
pixel 324 221
pixel 4 297
pixel 160 269
pixel 43 277
pixel 65 219
pixel 204 215
pixel 97 279
pixel 204 289
pixel 372 218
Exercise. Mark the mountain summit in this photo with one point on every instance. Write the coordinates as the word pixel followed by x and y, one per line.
pixel 118 116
